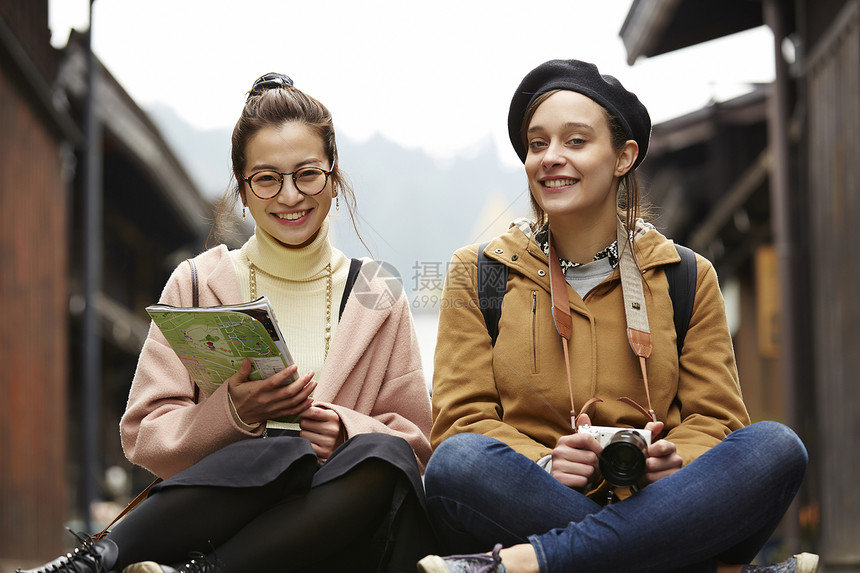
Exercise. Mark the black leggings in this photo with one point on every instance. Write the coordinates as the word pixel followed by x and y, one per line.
pixel 285 525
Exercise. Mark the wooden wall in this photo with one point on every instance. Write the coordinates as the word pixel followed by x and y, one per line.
pixel 33 330
pixel 833 84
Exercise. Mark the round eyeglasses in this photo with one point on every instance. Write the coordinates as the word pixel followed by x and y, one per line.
pixel 308 180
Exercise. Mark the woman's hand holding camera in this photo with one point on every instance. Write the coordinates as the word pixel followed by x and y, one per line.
pixel 663 459
pixel 260 400
pixel 574 458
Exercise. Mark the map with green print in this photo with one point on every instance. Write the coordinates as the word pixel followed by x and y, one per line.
pixel 212 341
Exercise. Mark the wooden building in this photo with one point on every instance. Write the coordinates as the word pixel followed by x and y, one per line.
pixel 768 187
pixel 36 165
pixel 153 217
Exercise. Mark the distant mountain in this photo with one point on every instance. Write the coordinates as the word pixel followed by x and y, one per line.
pixel 413 210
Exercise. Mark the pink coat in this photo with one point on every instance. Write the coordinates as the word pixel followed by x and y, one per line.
pixel 373 377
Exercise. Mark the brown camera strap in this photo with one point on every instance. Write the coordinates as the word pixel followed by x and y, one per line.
pixel 131 505
pixel 638 330
pixel 561 317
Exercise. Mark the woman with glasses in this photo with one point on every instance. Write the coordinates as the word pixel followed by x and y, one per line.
pixel 583 436
pixel 241 492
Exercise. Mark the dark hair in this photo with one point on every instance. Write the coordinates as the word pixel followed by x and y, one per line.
pixel 628 194
pixel 272 106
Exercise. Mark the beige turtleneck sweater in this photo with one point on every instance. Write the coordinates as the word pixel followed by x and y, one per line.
pixel 294 280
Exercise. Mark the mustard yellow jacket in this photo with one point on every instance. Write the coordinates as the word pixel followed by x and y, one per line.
pixel 517 391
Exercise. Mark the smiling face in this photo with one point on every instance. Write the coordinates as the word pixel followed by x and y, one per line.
pixel 290 217
pixel 571 164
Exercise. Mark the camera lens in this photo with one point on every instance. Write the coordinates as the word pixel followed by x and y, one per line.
pixel 622 461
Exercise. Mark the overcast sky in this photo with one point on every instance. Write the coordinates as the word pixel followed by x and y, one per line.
pixel 436 75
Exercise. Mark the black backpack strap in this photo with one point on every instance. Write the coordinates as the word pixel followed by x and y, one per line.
pixel 681 277
pixel 492 284
pixel 354 267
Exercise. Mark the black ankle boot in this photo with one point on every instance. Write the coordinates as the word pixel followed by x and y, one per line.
pixel 90 557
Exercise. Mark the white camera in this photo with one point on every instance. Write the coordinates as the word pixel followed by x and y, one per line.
pixel 622 461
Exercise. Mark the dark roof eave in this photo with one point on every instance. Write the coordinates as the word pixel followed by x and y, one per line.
pixel 698 126
pixel 60 121
pixel 130 125
pixel 656 27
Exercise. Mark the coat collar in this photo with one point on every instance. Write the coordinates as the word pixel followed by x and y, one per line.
pixel 519 251
pixel 219 276
pixel 367 308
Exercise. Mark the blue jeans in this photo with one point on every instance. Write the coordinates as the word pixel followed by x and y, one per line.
pixel 722 507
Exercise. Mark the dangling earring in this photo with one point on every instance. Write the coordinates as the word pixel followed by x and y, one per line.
pixel 243 213
pixel 337 203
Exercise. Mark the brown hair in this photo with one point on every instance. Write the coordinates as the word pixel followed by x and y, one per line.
pixel 628 194
pixel 272 108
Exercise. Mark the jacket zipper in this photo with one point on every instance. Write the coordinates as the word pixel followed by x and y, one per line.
pixel 534 332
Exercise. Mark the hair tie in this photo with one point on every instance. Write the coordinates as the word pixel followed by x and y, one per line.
pixel 270 81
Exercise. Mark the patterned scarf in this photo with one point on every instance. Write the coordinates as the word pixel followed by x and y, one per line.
pixel 610 252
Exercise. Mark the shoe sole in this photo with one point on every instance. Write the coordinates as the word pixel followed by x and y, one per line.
pixel 807 563
pixel 431 564
pixel 144 567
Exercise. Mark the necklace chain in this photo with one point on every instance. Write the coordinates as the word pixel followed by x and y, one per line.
pixel 252 276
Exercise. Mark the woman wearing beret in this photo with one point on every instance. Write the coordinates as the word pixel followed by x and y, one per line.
pixel 241 492
pixel 531 458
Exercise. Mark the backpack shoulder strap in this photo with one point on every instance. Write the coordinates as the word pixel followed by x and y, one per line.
pixel 492 283
pixel 681 277
pixel 354 267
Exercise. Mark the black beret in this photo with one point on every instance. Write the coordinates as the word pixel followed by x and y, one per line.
pixel 583 78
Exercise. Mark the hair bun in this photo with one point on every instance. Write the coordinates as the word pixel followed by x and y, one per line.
pixel 269 81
